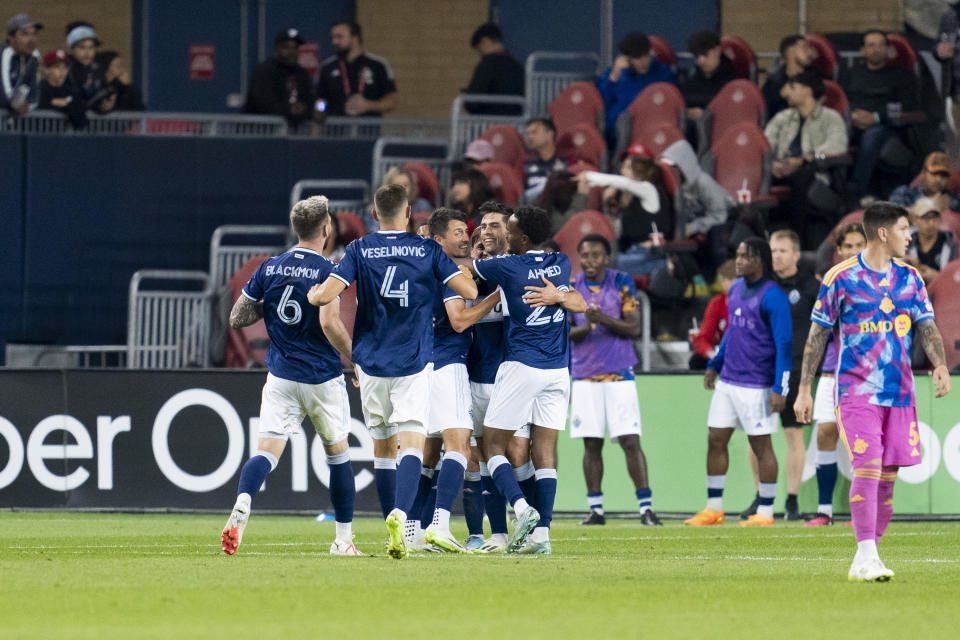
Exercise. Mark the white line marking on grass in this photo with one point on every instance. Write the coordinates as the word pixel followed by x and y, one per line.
pixel 812 534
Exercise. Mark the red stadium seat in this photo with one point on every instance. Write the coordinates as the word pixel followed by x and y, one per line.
pixel 946 306
pixel 658 136
pixel 505 182
pixel 579 103
pixel 824 56
pixel 584 142
pixel 671 181
pixel 508 146
pixel 595 197
pixel 741 160
pixel 349 225
pixel 900 52
pixel 246 347
pixel 659 102
pixel 663 52
pixel 950 221
pixel 741 55
pixel 738 101
pixel 850 218
pixel 427 183
pixel 835 98
pixel 581 224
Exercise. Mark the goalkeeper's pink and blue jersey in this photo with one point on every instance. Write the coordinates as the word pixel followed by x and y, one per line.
pixel 875 312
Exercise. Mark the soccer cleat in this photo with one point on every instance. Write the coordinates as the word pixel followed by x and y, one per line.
pixel 649 519
pixel 413 537
pixel 395 524
pixel 344 548
pixel 443 540
pixel 756 520
pixel 594 517
pixel 871 570
pixel 525 524
pixel 819 520
pixel 536 548
pixel 752 509
pixel 791 512
pixel 233 530
pixel 473 543
pixel 705 518
pixel 496 543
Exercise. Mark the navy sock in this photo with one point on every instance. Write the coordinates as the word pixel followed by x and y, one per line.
pixel 644 499
pixel 254 472
pixel 450 480
pixel 423 492
pixel 408 479
pixel 386 481
pixel 503 478
pixel 473 506
pixel 529 489
pixel 494 504
pixel 546 488
pixel 426 515
pixel 826 482
pixel 343 488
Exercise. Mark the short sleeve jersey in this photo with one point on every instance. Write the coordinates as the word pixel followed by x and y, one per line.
pixel 486 351
pixel 449 347
pixel 536 337
pixel 367 75
pixel 398 278
pixel 298 350
pixel 875 312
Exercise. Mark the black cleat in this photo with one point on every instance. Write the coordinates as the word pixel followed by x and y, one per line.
pixel 594 517
pixel 791 511
pixel 649 519
pixel 752 509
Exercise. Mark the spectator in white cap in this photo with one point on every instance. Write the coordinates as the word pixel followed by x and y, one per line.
pixel 478 154
pixel 20 66
pixel 931 248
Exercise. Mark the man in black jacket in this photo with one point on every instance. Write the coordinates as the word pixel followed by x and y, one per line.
pixel 497 73
pixel 795 56
pixel 713 70
pixel 279 85
pixel 19 66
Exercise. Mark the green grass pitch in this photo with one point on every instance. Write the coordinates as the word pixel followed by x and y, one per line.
pixel 69 575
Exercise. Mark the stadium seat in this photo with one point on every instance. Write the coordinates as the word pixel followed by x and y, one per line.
pixel 946 306
pixel 246 347
pixel 427 183
pixel 901 53
pixel 740 159
pixel 579 225
pixel 583 142
pixel 836 98
pixel 658 136
pixel 663 52
pixel 950 221
pixel 824 56
pixel 671 181
pixel 579 102
pixel 738 101
pixel 349 225
pixel 508 146
pixel 741 55
pixel 659 102
pixel 505 182
pixel 595 197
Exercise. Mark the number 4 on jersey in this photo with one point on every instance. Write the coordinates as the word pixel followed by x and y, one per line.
pixel 402 292
pixel 536 317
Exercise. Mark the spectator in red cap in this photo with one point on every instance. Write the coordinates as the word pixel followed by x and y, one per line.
pixel 56 93
pixel 934 180
pixel 20 66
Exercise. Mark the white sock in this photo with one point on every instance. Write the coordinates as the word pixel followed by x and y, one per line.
pixel 499 537
pixel 825 509
pixel 344 531
pixel 765 510
pixel 441 518
pixel 540 534
pixel 867 549
pixel 243 500
pixel 715 503
pixel 520 506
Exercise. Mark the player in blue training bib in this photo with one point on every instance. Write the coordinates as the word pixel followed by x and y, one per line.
pixel 398 276
pixel 305 375
pixel 533 382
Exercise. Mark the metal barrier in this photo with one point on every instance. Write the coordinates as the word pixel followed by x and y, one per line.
pixel 467 127
pixel 544 85
pixel 645 312
pixel 153 123
pixel 439 164
pixel 226 260
pixel 344 127
pixel 327 187
pixel 67 357
pixel 167 328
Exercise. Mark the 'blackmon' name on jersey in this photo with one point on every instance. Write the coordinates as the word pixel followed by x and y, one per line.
pixel 292 272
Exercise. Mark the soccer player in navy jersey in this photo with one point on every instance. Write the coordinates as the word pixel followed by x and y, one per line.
pixel 533 381
pixel 305 373
pixel 399 277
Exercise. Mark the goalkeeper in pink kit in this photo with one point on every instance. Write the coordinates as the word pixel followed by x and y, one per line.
pixel 878 303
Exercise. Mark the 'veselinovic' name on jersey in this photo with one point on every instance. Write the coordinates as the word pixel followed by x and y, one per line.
pixel 398 278
pixel 536 337
pixel 298 350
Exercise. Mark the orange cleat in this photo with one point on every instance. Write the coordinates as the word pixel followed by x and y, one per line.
pixel 705 518
pixel 757 520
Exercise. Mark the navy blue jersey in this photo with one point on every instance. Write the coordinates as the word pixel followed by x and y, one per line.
pixel 536 337
pixel 486 350
pixel 449 347
pixel 299 350
pixel 398 278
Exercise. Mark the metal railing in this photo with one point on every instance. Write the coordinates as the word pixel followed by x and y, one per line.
pixel 169 328
pixel 226 259
pixel 467 127
pixel 439 164
pixel 152 123
pixel 77 357
pixel 543 85
pixel 345 127
pixel 359 188
pixel 645 311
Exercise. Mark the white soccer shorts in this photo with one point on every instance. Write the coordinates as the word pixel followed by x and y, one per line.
pixel 733 406
pixel 285 403
pixel 596 407
pixel 524 394
pixel 394 403
pixel 479 400
pixel 450 401
pixel 824 408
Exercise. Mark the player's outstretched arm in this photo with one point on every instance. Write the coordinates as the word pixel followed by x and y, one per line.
pixel 932 343
pixel 321 294
pixel 334 329
pixel 463 317
pixel 548 294
pixel 812 356
pixel 463 284
pixel 245 312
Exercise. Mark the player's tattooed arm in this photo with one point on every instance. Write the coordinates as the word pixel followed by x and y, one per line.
pixel 932 342
pixel 245 312
pixel 813 352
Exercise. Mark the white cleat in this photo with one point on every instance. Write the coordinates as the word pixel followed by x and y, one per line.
pixel 443 540
pixel 870 570
pixel 413 536
pixel 233 530
pixel 496 543
pixel 344 548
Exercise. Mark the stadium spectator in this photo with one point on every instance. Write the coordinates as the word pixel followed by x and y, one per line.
pixel 603 396
pixel 700 203
pixel 353 82
pixel 931 248
pixel 469 190
pixel 714 324
pixel 407 178
pixel 563 196
pixel 934 179
pixel 478 154
pixel 20 66
pixel 876 91
pixel 795 57
pixel 123 95
pixel 497 73
pixel 631 72
pixel 541 139
pixel 713 70
pixel 54 92
pixel 279 85
pixel 948 53
pixel 796 135
pixel 85 77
